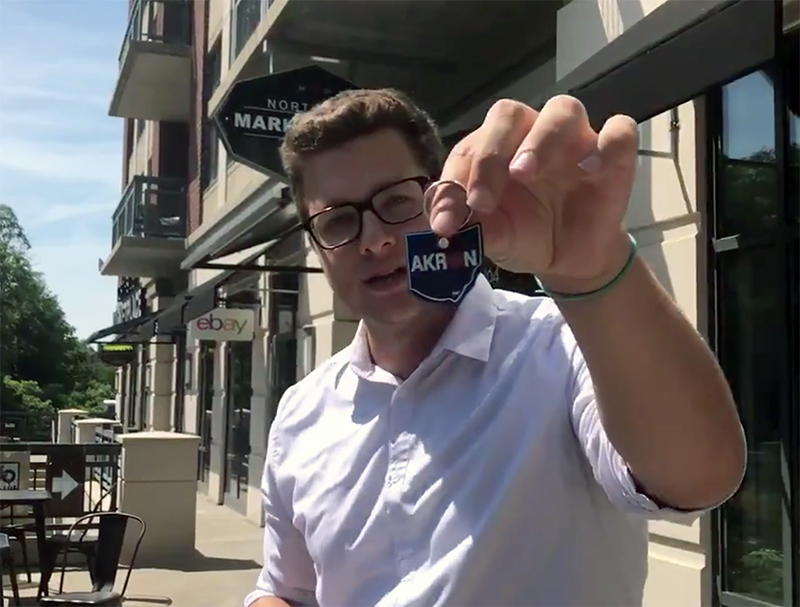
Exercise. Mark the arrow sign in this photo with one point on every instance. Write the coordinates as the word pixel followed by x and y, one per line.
pixel 64 484
pixel 256 113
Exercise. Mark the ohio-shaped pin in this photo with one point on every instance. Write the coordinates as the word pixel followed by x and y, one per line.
pixel 444 274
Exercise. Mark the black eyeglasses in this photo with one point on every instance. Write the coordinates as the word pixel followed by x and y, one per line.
pixel 341 224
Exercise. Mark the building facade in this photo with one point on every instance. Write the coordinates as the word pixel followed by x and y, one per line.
pixel 713 85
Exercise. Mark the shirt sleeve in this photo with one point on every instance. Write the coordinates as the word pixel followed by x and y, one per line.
pixel 288 571
pixel 609 468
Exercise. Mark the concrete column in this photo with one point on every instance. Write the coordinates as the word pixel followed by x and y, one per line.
pixel 159 484
pixel 64 428
pixel 162 386
pixel 86 428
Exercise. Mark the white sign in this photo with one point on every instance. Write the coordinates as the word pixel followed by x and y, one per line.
pixel 64 484
pixel 224 324
pixel 9 476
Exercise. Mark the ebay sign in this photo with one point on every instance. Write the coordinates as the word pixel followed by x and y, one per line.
pixel 224 324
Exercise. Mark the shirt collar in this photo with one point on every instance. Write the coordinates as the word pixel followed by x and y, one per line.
pixel 469 332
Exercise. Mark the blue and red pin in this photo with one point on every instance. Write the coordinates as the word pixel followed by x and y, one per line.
pixel 442 269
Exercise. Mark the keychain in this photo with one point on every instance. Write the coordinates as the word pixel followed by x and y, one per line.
pixel 444 269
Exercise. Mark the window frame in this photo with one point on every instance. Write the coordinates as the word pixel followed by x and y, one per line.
pixel 237 45
pixel 784 239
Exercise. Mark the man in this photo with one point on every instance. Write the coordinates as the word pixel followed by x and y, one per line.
pixel 508 450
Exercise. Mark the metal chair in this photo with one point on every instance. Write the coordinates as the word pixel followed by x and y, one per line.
pixel 84 542
pixel 103 570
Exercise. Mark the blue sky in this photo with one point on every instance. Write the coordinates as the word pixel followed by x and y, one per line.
pixel 60 152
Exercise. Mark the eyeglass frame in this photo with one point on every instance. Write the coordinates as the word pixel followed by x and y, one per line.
pixel 368 204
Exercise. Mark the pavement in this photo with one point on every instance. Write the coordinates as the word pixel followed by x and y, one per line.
pixel 221 573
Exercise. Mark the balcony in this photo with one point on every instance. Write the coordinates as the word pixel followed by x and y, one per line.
pixel 149 229
pixel 155 63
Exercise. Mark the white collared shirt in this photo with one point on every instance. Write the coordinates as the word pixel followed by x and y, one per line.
pixel 485 478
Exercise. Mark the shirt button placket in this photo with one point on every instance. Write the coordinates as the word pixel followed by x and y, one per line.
pixel 399 454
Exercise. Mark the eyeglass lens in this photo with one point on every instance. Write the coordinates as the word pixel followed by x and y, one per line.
pixel 396 204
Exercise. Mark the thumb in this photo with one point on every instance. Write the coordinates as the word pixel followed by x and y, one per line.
pixel 446 207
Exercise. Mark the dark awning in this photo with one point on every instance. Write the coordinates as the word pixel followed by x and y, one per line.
pixel 673 55
pixel 204 298
pixel 163 322
pixel 267 217
pixel 642 73
pixel 127 329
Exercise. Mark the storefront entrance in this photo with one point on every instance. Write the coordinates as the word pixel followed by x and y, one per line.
pixel 205 404
pixel 282 357
pixel 238 394
pixel 754 271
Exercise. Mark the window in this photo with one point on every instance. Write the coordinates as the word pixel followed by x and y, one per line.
pixel 210 152
pixel 754 261
pixel 245 17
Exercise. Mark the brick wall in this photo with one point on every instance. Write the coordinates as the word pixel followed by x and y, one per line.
pixel 196 125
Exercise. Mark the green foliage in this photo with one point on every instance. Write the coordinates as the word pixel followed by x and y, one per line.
pixel 42 363
pixel 25 407
pixel 759 574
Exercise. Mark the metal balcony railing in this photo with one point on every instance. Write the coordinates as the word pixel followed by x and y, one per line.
pixel 167 21
pixel 151 207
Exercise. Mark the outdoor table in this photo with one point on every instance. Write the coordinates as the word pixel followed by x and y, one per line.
pixel 36 499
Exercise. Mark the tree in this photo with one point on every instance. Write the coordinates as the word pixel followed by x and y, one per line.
pixel 43 365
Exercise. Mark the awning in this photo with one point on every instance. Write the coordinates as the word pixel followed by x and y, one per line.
pixel 444 54
pixel 673 55
pixel 164 322
pixel 643 72
pixel 129 330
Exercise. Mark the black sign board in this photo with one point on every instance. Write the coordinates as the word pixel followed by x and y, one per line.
pixel 131 307
pixel 116 355
pixel 66 472
pixel 256 113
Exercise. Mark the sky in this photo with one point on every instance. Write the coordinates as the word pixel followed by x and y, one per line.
pixel 60 152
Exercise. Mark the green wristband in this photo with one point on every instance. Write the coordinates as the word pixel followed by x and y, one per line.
pixel 589 294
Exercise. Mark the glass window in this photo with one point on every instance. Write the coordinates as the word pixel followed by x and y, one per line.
pixel 210 152
pixel 792 93
pixel 756 305
pixel 751 332
pixel 246 16
pixel 748 169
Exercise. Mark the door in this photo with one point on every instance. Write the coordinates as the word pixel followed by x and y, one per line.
pixel 205 383
pixel 282 369
pixel 754 258
pixel 238 394
pixel 180 381
pixel 284 289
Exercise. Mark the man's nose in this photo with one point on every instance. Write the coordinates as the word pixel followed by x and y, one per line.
pixel 375 235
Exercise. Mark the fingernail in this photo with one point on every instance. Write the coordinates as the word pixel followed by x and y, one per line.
pixel 440 224
pixel 591 164
pixel 479 199
pixel 525 162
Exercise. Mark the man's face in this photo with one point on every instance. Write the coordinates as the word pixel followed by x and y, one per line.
pixel 369 274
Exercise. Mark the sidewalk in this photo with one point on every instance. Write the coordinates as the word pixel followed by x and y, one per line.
pixel 222 573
